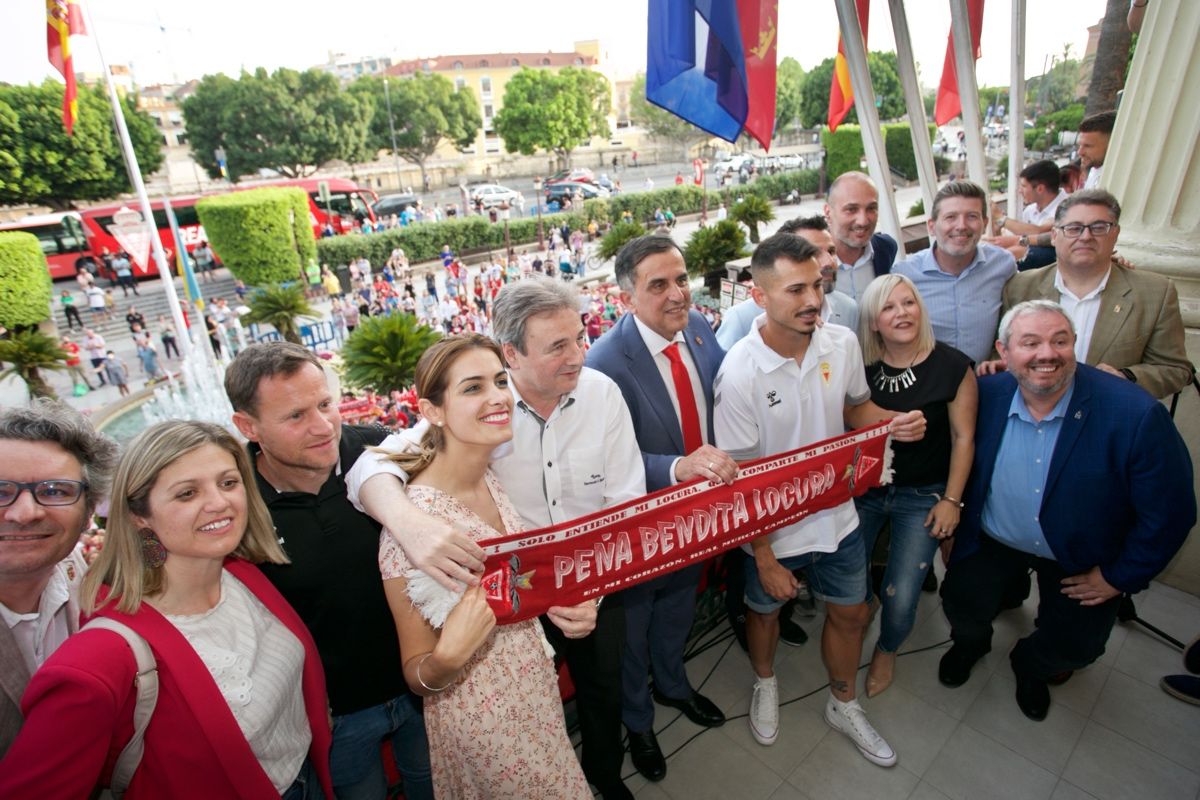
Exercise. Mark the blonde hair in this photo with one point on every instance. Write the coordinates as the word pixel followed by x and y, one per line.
pixel 121 565
pixel 432 379
pixel 873 301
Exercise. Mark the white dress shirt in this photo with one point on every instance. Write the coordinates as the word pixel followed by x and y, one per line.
pixel 38 634
pixel 1083 311
pixel 583 458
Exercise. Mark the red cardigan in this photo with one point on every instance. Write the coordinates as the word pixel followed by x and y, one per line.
pixel 79 715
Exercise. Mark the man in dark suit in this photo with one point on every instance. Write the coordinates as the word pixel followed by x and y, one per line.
pixel 664 357
pixel 852 208
pixel 1080 476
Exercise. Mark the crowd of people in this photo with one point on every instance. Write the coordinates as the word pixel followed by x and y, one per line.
pixel 315 593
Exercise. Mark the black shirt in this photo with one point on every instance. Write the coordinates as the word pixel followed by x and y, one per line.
pixel 937 380
pixel 334 583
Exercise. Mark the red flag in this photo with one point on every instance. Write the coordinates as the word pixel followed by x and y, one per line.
pixel 949 105
pixel 64 20
pixel 841 93
pixel 759 22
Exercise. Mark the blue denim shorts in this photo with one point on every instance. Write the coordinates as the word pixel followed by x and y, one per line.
pixel 839 577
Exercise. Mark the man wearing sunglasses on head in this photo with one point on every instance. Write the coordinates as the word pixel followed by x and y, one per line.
pixel 56 468
pixel 1127 321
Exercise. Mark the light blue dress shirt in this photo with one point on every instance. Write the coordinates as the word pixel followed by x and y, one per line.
pixel 964 308
pixel 1010 513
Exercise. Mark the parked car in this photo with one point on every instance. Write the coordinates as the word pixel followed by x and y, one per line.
pixel 578 174
pixel 493 194
pixel 393 204
pixel 589 191
pixel 733 164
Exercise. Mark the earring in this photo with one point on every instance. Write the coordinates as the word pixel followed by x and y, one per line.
pixel 441 424
pixel 152 549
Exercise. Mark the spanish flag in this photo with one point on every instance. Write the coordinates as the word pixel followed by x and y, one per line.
pixel 841 93
pixel 949 104
pixel 64 19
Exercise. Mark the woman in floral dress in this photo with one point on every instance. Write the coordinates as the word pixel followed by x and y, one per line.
pixel 492 709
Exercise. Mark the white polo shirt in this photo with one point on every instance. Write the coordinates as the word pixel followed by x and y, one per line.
pixel 1040 216
pixel 766 404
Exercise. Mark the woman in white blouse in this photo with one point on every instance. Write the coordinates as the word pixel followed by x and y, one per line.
pixel 241 707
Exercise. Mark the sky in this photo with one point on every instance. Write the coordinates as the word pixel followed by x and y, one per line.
pixel 169 41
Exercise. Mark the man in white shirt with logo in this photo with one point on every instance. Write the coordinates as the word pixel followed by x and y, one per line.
pixel 789 383
pixel 56 469
pixel 573 452
pixel 1039 185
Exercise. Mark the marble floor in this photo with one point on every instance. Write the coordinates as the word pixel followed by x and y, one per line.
pixel 1111 734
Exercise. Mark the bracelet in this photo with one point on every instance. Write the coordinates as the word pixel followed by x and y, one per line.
pixel 945 497
pixel 422 682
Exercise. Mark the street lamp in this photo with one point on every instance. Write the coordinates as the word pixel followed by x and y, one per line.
pixel 387 94
pixel 537 196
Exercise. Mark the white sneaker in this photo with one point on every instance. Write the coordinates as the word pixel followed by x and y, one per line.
pixel 764 710
pixel 852 721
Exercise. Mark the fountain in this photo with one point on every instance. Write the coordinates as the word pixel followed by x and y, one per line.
pixel 201 398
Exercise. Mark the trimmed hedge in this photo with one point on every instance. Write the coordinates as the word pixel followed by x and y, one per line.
pixel 897 141
pixel 843 150
pixel 25 288
pixel 423 242
pixel 254 235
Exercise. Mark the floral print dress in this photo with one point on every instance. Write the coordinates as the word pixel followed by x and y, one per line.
pixel 497 731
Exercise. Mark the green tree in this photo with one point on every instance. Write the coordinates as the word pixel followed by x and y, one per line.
pixel 426 110
pixel 1056 89
pixel 789 88
pixel 281 306
pixel 41 165
pixel 262 235
pixel 751 211
pixel 885 78
pixel 286 121
pixel 28 353
pixel 660 123
pixel 710 249
pixel 556 112
pixel 24 281
pixel 617 237
pixel 382 352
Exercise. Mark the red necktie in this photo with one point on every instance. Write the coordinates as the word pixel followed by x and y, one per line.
pixel 688 418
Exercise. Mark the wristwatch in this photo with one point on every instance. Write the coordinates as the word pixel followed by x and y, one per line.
pixel 1023 240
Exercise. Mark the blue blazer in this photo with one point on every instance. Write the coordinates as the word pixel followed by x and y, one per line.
pixel 1119 493
pixel 885 248
pixel 622 355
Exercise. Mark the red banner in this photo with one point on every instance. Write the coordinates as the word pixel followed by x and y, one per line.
pixel 622 546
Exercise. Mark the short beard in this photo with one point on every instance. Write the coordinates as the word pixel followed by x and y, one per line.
pixel 1045 391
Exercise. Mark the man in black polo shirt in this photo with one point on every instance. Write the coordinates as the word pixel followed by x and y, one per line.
pixel 283 405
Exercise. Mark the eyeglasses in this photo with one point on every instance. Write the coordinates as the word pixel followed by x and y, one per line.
pixel 1073 230
pixel 45 493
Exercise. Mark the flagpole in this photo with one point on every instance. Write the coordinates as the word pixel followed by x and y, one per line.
pixel 1016 109
pixel 968 91
pixel 917 122
pixel 868 118
pixel 135 176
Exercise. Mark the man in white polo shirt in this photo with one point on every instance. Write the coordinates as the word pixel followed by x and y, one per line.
pixel 791 382
pixel 1040 189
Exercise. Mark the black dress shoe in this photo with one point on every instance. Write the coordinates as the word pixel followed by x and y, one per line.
pixel 790 633
pixel 698 708
pixel 1033 697
pixel 955 667
pixel 647 755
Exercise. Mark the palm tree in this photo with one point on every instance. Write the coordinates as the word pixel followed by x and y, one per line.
pixel 616 238
pixel 750 211
pixel 27 353
pixel 710 249
pixel 383 352
pixel 280 305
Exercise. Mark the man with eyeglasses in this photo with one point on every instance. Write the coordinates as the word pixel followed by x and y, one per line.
pixel 1127 321
pixel 56 468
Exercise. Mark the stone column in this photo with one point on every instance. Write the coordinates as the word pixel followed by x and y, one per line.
pixel 1153 168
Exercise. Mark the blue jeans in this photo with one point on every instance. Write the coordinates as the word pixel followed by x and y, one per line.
pixel 355 760
pixel 910 554
pixel 306 786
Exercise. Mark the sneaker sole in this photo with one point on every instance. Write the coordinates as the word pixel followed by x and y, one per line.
pixel 765 741
pixel 874 759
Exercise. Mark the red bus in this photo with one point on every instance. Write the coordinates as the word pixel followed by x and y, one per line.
pixel 62 237
pixel 348 203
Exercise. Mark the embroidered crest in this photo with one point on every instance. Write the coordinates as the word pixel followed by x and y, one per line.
pixel 826 372
pixel 773 398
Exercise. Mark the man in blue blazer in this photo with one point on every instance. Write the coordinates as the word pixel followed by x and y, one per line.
pixel 664 358
pixel 1078 475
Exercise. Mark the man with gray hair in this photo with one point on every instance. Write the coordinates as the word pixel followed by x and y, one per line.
pixel 56 470
pixel 1079 476
pixel 573 452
